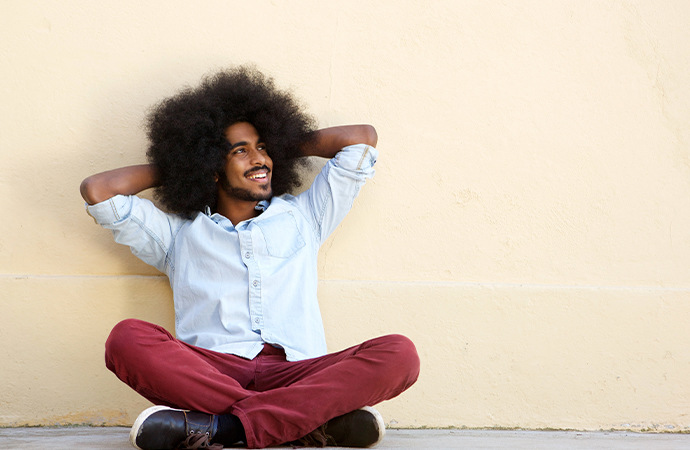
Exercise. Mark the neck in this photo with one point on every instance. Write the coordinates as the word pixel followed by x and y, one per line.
pixel 237 210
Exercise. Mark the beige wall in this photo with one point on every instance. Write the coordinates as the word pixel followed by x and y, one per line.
pixel 528 226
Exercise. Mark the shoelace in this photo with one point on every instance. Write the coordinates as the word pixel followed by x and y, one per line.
pixel 197 440
pixel 317 438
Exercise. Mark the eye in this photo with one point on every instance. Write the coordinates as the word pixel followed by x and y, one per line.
pixel 261 147
pixel 239 151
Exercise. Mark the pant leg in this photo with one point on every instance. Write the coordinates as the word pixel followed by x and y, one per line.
pixel 298 397
pixel 287 400
pixel 169 372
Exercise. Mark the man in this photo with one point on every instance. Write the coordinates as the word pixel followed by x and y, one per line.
pixel 249 363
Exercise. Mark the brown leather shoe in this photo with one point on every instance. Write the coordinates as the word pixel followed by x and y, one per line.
pixel 163 428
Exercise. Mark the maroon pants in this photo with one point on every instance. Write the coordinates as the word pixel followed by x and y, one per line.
pixel 277 401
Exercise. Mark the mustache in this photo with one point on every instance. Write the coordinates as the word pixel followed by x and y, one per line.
pixel 257 169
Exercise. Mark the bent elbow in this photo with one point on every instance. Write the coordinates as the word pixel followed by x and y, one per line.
pixel 371 137
pixel 90 191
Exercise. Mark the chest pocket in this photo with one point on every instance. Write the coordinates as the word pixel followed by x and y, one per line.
pixel 282 236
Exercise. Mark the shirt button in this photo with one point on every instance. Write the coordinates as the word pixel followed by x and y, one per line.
pixel 256 320
pixel 255 283
pixel 247 255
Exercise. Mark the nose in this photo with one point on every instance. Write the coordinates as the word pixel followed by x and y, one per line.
pixel 258 158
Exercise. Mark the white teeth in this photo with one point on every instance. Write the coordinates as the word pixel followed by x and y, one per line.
pixel 258 175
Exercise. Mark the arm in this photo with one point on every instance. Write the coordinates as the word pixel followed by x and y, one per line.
pixel 334 189
pixel 328 141
pixel 128 180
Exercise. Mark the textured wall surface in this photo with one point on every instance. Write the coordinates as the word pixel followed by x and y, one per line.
pixel 528 226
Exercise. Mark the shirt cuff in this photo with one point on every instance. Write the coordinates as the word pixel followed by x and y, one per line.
pixel 358 157
pixel 110 211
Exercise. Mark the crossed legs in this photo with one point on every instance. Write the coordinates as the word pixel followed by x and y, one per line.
pixel 277 401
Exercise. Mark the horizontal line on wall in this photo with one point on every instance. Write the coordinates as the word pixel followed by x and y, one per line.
pixel 20 276
pixel 458 284
pixel 491 285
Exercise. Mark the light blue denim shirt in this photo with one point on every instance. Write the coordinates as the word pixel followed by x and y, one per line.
pixel 236 287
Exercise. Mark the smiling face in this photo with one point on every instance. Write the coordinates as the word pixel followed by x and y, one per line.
pixel 247 170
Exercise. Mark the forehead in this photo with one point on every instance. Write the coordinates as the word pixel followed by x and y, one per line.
pixel 241 132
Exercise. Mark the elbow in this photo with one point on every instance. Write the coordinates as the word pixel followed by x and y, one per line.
pixel 371 137
pixel 90 191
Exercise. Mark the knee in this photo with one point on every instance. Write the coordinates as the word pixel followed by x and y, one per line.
pixel 405 356
pixel 122 339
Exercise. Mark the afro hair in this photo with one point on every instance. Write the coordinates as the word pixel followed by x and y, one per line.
pixel 187 135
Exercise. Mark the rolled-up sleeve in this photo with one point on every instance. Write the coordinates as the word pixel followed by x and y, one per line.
pixel 335 188
pixel 358 159
pixel 140 225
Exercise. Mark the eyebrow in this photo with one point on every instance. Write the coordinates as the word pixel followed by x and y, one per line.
pixel 241 143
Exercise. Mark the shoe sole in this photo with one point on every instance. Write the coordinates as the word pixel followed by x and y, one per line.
pixel 379 421
pixel 134 432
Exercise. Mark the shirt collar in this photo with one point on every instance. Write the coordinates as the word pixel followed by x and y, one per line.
pixel 261 206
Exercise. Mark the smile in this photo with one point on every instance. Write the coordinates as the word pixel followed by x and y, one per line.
pixel 258 176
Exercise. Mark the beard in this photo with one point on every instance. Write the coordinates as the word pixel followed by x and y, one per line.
pixel 245 195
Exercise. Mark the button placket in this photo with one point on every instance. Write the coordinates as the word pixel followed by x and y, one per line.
pixel 255 307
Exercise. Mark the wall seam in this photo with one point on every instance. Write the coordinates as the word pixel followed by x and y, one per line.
pixel 420 283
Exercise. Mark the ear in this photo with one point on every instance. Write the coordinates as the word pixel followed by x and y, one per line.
pixel 215 178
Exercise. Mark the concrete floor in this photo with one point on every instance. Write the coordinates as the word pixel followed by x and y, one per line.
pixel 117 438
